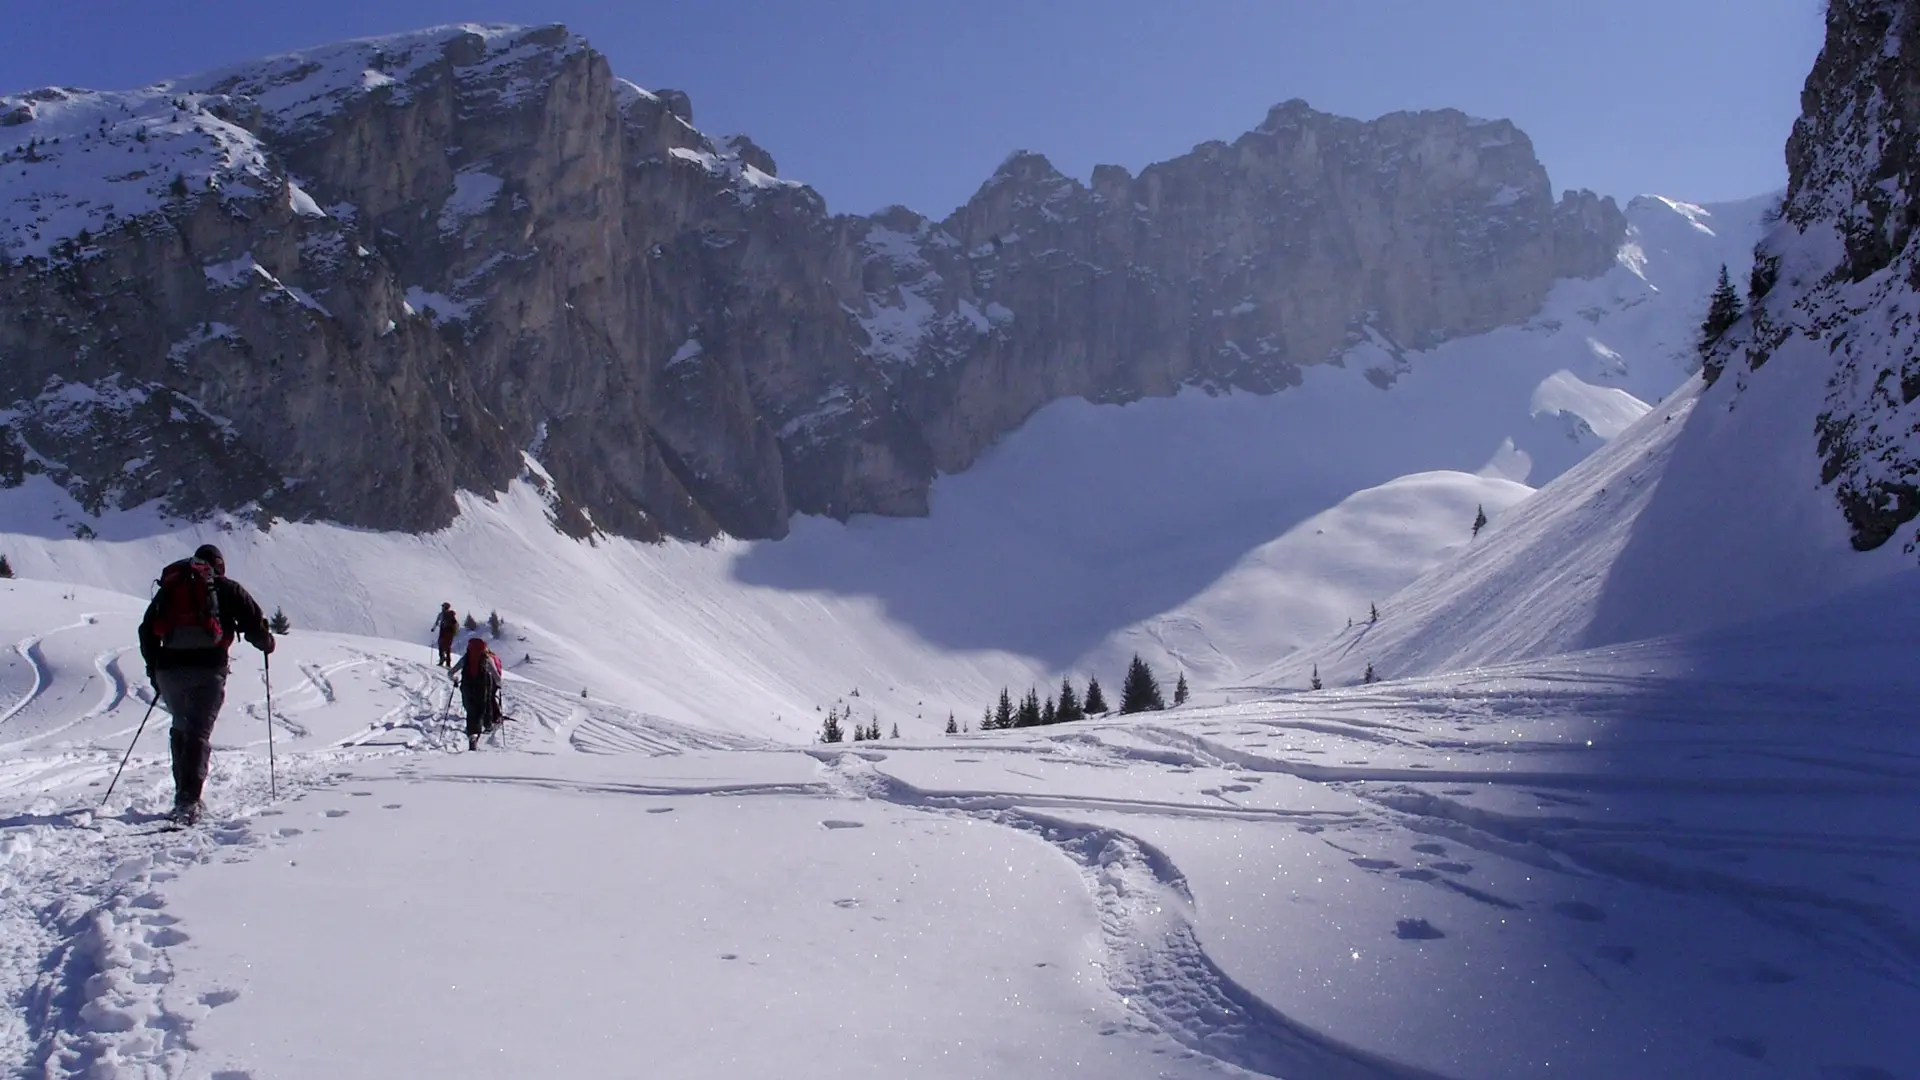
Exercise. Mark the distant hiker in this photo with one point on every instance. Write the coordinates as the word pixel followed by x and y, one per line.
pixel 447 625
pixel 479 683
pixel 184 638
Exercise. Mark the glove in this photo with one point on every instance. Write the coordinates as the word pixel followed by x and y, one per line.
pixel 263 642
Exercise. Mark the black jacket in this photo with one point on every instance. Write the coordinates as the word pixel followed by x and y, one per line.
pixel 239 614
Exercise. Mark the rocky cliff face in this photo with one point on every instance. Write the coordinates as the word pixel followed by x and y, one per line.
pixel 1842 268
pixel 351 282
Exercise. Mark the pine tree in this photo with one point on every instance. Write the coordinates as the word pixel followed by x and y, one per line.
pixel 1029 714
pixel 472 624
pixel 953 728
pixel 280 624
pixel 1139 692
pixel 1180 690
pixel 493 623
pixel 6 568
pixel 1316 684
pixel 1373 614
pixel 896 730
pixel 1096 703
pixel 1369 677
pixel 1479 519
pixel 1003 712
pixel 986 719
pixel 1069 709
pixel 1723 310
pixel 1049 715
pixel 830 730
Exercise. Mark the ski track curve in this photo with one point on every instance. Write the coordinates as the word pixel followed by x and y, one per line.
pixel 1156 963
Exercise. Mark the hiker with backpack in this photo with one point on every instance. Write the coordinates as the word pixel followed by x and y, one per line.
pixel 479 681
pixel 447 625
pixel 193 619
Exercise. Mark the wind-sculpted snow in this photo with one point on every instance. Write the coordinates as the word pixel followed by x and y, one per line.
pixel 1673 859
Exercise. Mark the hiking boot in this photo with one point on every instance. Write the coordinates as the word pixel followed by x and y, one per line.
pixel 187 813
pixel 473 742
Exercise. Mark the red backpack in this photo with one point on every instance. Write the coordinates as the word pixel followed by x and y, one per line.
pixel 187 609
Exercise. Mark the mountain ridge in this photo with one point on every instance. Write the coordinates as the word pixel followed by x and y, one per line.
pixel 408 266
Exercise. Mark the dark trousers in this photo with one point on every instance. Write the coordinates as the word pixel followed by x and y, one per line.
pixel 193 696
pixel 446 648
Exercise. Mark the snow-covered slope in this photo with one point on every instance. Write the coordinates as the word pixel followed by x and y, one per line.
pixel 1668 860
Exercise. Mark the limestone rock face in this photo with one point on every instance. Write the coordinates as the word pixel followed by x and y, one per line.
pixel 351 282
pixel 1841 269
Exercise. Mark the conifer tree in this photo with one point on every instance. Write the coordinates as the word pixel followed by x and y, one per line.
pixel 1048 713
pixel 1723 310
pixel 1316 684
pixel 1003 712
pixel 1069 709
pixel 1029 714
pixel 896 730
pixel 1369 677
pixel 1096 703
pixel 279 624
pixel 1479 519
pixel 493 623
pixel 830 730
pixel 986 719
pixel 6 568
pixel 1139 692
pixel 471 623
pixel 1180 690
pixel 953 727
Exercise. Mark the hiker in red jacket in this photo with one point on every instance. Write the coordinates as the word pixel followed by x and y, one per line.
pixel 446 625
pixel 184 638
pixel 478 678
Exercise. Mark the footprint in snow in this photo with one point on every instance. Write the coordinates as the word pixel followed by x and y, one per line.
pixel 1416 930
pixel 1418 875
pixel 336 813
pixel 1454 867
pixel 659 809
pixel 1745 1045
pixel 391 806
pixel 1375 864
pixel 1580 910
pixel 1430 849
pixel 360 793
pixel 213 999
pixel 849 902
pixel 1619 954
pixel 290 831
pixel 834 823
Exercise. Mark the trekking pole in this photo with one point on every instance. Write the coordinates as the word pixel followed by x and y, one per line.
pixel 273 784
pixel 123 759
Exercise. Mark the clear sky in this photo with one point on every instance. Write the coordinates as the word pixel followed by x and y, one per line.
pixel 915 101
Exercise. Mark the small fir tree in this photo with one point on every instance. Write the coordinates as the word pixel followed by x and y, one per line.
pixel 1139 692
pixel 1003 712
pixel 493 623
pixel 6 568
pixel 1029 714
pixel 1723 310
pixel 1180 690
pixel 1096 703
pixel 472 624
pixel 953 727
pixel 1479 519
pixel 279 624
pixel 1316 684
pixel 830 730
pixel 896 730
pixel 1369 677
pixel 1069 709
pixel 986 719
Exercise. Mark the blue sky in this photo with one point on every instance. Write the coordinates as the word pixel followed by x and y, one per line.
pixel 915 101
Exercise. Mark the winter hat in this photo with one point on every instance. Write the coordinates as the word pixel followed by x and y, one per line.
pixel 476 645
pixel 210 555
